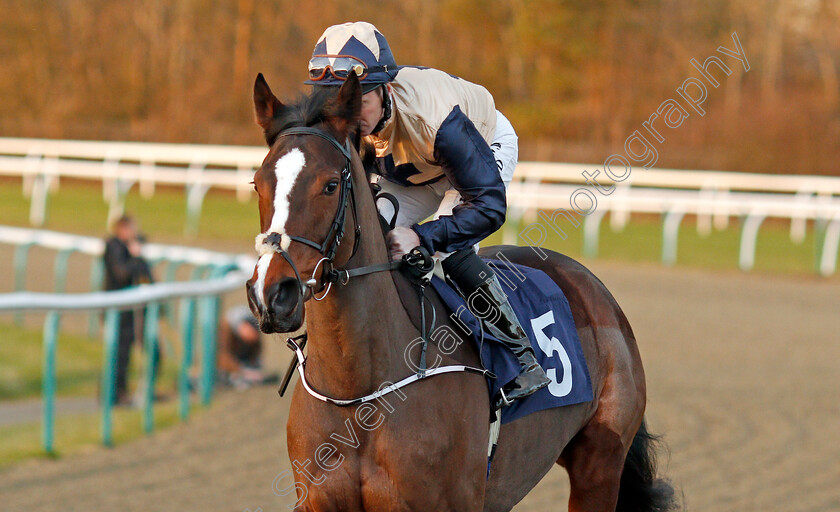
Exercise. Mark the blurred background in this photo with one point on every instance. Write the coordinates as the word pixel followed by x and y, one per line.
pixel 741 366
pixel 575 78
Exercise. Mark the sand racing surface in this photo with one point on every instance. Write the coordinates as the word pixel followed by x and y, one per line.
pixel 743 379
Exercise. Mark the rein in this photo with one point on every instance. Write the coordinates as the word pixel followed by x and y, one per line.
pixel 418 262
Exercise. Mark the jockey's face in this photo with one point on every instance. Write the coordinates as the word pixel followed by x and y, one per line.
pixel 372 110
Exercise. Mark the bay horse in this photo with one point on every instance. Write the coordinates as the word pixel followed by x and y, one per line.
pixel 424 446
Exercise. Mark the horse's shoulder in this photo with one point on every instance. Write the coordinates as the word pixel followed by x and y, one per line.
pixel 437 315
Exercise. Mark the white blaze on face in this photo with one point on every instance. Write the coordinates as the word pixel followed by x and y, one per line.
pixel 262 269
pixel 286 170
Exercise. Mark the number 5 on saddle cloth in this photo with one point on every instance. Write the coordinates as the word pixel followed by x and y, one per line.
pixel 546 317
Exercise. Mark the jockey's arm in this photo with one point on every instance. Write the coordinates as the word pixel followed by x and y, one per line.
pixel 468 162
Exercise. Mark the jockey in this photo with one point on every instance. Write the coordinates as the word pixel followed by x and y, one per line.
pixel 444 152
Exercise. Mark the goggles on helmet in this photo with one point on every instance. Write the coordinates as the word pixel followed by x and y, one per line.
pixel 339 66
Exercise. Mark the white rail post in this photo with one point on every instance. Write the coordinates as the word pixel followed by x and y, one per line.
pixel 109 174
pixel 111 187
pixel 704 213
pixel 822 222
pixel 670 235
pixel 591 230
pixel 38 204
pixel 722 211
pixel 147 178
pixel 196 189
pixel 620 212
pixel 32 165
pixel 798 220
pixel 749 236
pixel 244 189
pixel 828 258
pixel 530 187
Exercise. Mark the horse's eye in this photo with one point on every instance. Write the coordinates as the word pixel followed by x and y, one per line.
pixel 331 187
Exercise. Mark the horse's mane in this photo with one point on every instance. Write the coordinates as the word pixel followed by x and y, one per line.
pixel 314 108
pixel 306 110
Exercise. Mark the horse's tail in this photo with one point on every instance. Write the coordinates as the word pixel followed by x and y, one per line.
pixel 641 490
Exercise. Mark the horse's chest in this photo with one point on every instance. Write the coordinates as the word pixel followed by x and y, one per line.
pixel 375 473
pixel 389 458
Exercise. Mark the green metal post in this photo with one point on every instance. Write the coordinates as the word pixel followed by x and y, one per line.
pixel 61 269
pixel 207 313
pixel 169 276
pixel 150 335
pixel 171 267
pixel 206 329
pixel 210 336
pixel 187 330
pixel 21 258
pixel 97 271
pixel 199 271
pixel 112 328
pixel 50 334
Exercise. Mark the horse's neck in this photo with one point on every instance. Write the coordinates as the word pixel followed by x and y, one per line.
pixel 357 333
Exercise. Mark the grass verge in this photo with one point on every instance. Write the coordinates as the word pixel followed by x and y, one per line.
pixel 163 218
pixel 79 433
pixel 78 364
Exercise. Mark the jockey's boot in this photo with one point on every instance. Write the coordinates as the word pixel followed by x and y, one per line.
pixel 483 291
pixel 506 327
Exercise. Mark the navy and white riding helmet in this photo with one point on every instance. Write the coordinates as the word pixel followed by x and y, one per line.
pixel 358 47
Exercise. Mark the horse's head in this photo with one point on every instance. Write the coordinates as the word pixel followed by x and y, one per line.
pixel 303 187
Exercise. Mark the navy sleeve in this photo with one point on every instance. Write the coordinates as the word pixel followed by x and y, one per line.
pixel 468 162
pixel 399 174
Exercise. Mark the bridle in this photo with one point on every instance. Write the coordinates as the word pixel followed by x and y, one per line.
pixel 332 240
pixel 329 247
pixel 418 260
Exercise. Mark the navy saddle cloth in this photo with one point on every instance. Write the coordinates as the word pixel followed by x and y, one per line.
pixel 544 313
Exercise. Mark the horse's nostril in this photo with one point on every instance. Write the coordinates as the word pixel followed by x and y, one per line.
pixel 284 297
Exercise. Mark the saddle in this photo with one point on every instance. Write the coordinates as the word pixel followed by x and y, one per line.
pixel 545 315
pixel 543 311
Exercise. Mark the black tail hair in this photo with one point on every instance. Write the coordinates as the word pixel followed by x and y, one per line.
pixel 641 490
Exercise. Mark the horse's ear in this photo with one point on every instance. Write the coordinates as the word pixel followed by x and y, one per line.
pixel 267 108
pixel 346 109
